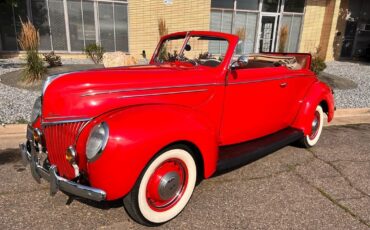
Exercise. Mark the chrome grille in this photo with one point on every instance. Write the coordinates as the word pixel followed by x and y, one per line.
pixel 58 138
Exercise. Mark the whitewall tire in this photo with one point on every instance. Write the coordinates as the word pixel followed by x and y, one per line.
pixel 317 125
pixel 164 187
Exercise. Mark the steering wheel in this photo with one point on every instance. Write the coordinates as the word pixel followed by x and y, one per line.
pixel 183 58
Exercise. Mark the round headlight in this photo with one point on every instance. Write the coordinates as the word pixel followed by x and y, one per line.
pixel 97 141
pixel 36 110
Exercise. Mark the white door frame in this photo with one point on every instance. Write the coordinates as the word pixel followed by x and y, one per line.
pixel 274 35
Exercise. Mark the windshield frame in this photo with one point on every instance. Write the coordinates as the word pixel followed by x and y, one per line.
pixel 229 38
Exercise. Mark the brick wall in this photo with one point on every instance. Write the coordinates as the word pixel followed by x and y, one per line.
pixel 312 25
pixel 319 28
pixel 180 15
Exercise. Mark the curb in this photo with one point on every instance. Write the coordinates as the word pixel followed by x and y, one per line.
pixel 352 112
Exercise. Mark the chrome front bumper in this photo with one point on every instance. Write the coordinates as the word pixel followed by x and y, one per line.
pixel 57 182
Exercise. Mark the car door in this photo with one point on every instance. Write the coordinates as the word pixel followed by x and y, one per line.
pixel 255 104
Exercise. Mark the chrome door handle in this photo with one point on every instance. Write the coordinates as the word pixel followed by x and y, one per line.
pixel 283 85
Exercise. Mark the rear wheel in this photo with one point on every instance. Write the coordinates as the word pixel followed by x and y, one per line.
pixel 164 188
pixel 317 124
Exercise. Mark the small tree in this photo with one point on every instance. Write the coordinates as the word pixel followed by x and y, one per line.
pixel 94 52
pixel 317 63
pixel 284 33
pixel 28 40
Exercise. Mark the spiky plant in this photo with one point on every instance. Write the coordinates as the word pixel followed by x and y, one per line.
pixel 162 30
pixel 28 40
pixel 240 32
pixel 284 33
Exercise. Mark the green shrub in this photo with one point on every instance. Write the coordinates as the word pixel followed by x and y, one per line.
pixel 52 59
pixel 35 68
pixel 94 52
pixel 317 65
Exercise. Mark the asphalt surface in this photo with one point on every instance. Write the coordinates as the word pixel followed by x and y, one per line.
pixel 326 187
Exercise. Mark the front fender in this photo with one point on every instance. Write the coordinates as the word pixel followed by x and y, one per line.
pixel 318 93
pixel 136 134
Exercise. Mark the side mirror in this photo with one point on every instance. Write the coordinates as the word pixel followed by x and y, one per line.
pixel 241 62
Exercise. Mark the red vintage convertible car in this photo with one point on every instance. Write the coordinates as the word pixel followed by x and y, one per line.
pixel 148 133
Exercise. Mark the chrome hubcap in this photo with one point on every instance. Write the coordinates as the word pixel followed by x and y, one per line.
pixel 169 185
pixel 315 125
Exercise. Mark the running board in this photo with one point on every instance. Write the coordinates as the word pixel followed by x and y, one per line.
pixel 237 155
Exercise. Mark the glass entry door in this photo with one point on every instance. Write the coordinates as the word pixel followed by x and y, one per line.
pixel 267 33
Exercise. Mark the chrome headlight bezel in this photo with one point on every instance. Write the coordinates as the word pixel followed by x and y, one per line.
pixel 97 141
pixel 36 109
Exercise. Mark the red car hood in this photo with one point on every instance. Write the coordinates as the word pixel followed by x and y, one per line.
pixel 87 94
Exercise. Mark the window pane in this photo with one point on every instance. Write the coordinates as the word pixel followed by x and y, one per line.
pixel 75 25
pixel 270 5
pixel 106 26
pixel 89 22
pixel 120 14
pixel 247 4
pixel 220 21
pixel 216 18
pixel 293 23
pixel 57 22
pixel 246 22
pixel 229 4
pixel 40 20
pixel 226 27
pixel 294 6
pixel 7 32
pixel 294 35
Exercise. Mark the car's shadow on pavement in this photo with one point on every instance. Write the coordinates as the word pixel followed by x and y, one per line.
pixel 103 205
pixel 9 156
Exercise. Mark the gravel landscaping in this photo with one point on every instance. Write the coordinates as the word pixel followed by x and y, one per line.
pixel 360 74
pixel 16 103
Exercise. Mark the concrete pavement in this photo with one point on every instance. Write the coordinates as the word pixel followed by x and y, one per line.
pixel 326 187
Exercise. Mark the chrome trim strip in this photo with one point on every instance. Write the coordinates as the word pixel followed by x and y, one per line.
pixel 263 80
pixel 165 93
pixel 64 121
pixel 150 88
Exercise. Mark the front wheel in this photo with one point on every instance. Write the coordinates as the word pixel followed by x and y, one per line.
pixel 317 124
pixel 164 188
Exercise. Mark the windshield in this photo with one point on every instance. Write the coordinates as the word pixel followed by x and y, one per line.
pixel 199 50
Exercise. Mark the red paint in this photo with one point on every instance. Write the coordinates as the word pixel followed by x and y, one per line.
pixel 150 107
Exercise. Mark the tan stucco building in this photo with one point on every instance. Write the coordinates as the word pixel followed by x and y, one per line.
pixel 335 28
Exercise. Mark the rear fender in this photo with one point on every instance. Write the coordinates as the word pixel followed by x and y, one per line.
pixel 136 134
pixel 317 94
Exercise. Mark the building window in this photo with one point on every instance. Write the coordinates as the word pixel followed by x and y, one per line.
pixel 68 25
pixel 270 5
pixel 76 25
pixel 226 4
pixel 258 21
pixel 247 4
pixel 57 25
pixel 296 6
pixel 41 21
pixel 10 15
pixel 293 23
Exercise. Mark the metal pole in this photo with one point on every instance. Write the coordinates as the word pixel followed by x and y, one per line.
pixel 66 19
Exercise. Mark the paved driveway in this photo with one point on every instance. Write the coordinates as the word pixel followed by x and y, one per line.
pixel 327 187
